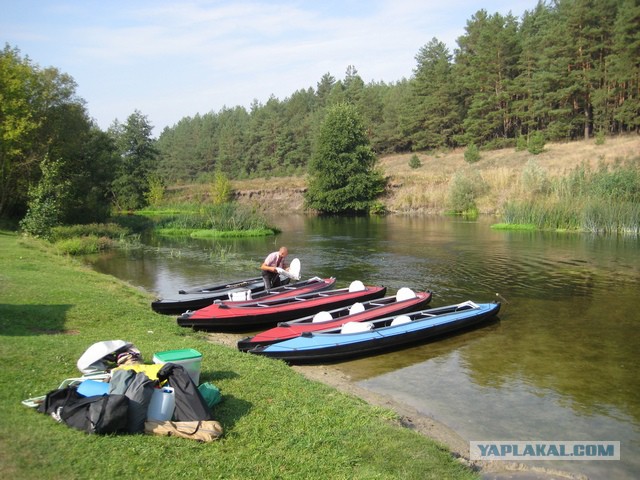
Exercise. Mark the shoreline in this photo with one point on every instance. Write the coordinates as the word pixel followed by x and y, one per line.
pixel 408 417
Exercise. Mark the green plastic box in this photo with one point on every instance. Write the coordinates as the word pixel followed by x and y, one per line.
pixel 189 358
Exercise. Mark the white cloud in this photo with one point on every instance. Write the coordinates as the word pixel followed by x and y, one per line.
pixel 173 59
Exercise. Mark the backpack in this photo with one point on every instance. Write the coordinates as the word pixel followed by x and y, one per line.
pixel 190 405
pixel 138 388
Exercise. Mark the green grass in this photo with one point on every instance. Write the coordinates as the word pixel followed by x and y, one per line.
pixel 513 226
pixel 277 423
pixel 199 233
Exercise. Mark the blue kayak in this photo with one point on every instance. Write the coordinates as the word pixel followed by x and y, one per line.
pixel 363 338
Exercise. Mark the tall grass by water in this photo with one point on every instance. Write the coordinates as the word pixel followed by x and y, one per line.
pixel 602 200
pixel 228 219
pixel 87 239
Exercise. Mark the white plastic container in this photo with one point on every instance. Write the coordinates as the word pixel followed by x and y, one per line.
pixel 163 402
pixel 189 358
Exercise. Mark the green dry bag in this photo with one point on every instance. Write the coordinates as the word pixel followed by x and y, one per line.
pixel 210 393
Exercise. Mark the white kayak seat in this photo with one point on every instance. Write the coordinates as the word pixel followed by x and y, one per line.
pixel 356 308
pixel 240 295
pixel 321 317
pixel 294 269
pixel 405 293
pixel 356 327
pixel 400 320
pixel 466 304
pixel 356 286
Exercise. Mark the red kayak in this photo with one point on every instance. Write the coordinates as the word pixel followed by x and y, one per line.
pixel 250 315
pixel 404 301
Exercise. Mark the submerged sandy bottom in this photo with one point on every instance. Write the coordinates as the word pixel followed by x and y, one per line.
pixel 411 418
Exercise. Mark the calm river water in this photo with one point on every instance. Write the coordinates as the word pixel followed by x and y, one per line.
pixel 561 363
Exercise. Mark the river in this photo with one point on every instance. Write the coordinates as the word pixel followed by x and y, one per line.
pixel 561 363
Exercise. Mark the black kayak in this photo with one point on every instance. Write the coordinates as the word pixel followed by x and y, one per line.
pixel 200 297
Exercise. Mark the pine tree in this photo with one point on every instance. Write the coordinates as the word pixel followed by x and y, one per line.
pixel 625 68
pixel 137 155
pixel 434 118
pixel 486 64
pixel 342 174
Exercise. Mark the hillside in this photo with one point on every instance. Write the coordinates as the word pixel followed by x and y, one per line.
pixel 425 189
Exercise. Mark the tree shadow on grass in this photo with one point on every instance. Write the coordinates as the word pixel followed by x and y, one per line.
pixel 26 320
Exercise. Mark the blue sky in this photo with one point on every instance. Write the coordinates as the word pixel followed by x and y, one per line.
pixel 172 59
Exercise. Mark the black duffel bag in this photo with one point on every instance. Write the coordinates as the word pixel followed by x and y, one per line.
pixel 99 414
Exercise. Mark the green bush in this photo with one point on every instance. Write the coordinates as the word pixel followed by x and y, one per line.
pixel 41 218
pixel 377 208
pixel 155 193
pixel 621 184
pixel 46 201
pixel 464 188
pixel 534 178
pixel 536 143
pixel 343 177
pixel 414 161
pixel 472 153
pixel 221 189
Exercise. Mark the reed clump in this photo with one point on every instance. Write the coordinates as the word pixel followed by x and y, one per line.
pixel 87 239
pixel 602 200
pixel 227 219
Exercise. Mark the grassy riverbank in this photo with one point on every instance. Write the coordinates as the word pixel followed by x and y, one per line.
pixel 277 423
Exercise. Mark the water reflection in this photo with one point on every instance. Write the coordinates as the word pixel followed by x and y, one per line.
pixel 561 362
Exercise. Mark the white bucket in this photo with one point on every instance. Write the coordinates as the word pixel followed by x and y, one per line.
pixel 163 402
